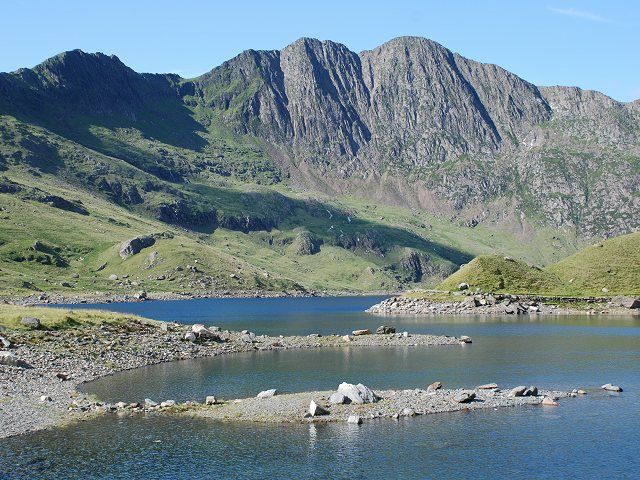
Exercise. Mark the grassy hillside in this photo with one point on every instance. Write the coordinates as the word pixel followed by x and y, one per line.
pixel 493 273
pixel 612 265
pixel 607 268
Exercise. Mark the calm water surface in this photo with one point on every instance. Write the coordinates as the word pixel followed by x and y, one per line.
pixel 590 437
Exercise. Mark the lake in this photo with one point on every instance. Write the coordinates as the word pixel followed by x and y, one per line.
pixel 587 437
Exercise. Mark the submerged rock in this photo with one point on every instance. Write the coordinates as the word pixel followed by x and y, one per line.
pixel 611 388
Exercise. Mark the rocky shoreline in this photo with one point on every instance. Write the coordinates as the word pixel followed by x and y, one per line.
pixel 393 404
pixel 504 304
pixel 45 393
pixel 106 298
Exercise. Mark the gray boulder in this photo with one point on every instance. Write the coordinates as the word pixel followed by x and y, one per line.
pixel 517 391
pixel 385 330
pixel 531 392
pixel 268 393
pixel 9 359
pixel 338 399
pixel 316 410
pixel 611 388
pixel 31 322
pixel 357 393
pixel 355 419
pixel 190 337
pixel 133 246
pixel 433 387
pixel 464 397
pixel 5 343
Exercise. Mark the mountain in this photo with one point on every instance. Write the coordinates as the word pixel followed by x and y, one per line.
pixel 463 157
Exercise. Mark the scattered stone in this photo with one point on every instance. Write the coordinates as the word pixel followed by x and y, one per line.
pixel 268 393
pixel 338 399
pixel 385 330
pixel 488 386
pixel 210 400
pixel 364 331
pixel 31 322
pixel 611 388
pixel 464 397
pixel 316 410
pixel 549 402
pixel 463 286
pixel 518 391
pixel 357 393
pixel 355 419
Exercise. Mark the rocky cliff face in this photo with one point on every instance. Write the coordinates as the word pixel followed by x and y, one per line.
pixel 408 122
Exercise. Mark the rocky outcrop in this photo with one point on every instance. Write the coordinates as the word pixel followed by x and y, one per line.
pixel 135 245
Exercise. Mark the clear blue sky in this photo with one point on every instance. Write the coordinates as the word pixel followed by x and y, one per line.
pixel 591 44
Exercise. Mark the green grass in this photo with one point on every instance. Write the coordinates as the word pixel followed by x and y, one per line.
pixel 492 273
pixel 613 265
pixel 60 319
pixel 607 268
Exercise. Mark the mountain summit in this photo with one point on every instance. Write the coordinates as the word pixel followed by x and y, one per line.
pixel 408 122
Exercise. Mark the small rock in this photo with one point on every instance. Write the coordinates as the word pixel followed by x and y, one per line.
pixel 210 400
pixel 465 339
pixel 488 386
pixel 45 398
pixel 190 337
pixel 168 403
pixel 463 286
pixel 355 419
pixel 408 412
pixel 385 330
pixel 31 322
pixel 267 393
pixel 148 403
pixel 164 326
pixel 517 391
pixel 338 399
pixel 9 359
pixel 113 276
pixel 364 331
pixel 347 338
pixel 611 388
pixel 530 392
pixel 549 402
pixel 121 405
pixel 101 267
pixel 5 343
pixel 581 392
pixel 405 335
pixel 464 397
pixel 434 386
pixel 63 376
pixel 316 410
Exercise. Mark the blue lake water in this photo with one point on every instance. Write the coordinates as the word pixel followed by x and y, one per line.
pixel 588 437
